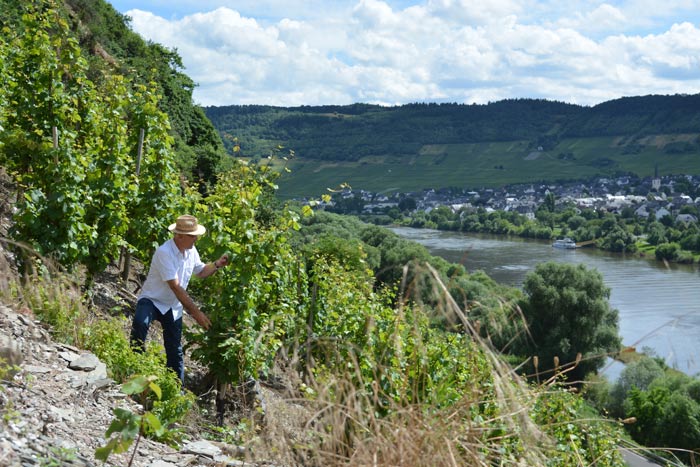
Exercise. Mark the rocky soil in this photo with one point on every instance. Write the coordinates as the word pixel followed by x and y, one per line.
pixel 58 402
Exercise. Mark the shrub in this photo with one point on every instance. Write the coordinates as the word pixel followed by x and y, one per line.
pixel 107 340
pixel 667 251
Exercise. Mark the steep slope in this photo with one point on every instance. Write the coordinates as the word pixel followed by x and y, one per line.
pixel 111 47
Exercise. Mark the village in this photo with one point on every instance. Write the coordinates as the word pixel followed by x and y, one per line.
pixel 677 196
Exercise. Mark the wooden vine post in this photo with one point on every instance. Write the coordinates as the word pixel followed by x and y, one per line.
pixel 126 254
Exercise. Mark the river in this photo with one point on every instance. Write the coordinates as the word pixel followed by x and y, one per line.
pixel 659 304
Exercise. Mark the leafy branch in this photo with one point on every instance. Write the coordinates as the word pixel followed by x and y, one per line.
pixel 128 425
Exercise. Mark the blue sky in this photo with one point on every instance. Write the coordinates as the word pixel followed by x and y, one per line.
pixel 313 52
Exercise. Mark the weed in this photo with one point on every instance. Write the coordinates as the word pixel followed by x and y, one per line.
pixel 57 457
pixel 128 426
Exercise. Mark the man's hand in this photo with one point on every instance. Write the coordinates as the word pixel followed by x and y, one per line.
pixel 223 260
pixel 202 319
pixel 188 304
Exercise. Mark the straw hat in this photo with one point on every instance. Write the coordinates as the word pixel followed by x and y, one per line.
pixel 187 225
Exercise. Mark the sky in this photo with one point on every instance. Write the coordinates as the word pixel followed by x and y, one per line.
pixel 394 52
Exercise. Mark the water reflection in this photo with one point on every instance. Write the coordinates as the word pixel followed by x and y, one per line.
pixel 659 304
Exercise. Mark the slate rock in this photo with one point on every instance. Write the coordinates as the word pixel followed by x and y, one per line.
pixel 86 362
pixel 201 448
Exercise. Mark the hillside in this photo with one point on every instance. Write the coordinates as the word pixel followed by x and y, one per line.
pixel 417 146
pixel 111 48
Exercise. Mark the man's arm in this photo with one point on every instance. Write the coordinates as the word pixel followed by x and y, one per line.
pixel 211 268
pixel 188 304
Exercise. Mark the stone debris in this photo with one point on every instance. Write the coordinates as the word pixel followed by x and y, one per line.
pixel 57 404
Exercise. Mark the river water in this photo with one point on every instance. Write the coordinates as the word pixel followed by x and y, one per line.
pixel 659 304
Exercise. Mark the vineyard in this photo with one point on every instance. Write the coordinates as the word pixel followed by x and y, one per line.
pixel 390 368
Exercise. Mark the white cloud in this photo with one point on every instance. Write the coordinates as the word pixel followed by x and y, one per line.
pixel 603 18
pixel 435 50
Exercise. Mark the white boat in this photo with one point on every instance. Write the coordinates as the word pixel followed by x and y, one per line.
pixel 565 243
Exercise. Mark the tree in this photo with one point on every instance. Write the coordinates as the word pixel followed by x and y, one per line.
pixel 618 239
pixel 441 215
pixel 568 313
pixel 575 222
pixel 638 374
pixel 407 204
pixel 667 251
pixel 549 203
pixel 667 220
pixel 656 233
pixel 690 209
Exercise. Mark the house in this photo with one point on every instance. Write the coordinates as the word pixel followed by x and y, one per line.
pixel 642 211
pixel 661 212
pixel 686 218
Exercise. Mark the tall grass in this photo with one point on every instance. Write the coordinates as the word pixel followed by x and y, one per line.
pixel 45 291
pixel 351 421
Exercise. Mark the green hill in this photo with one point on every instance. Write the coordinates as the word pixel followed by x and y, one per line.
pixel 416 146
pixel 110 48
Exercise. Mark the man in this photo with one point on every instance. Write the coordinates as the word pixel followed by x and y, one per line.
pixel 164 293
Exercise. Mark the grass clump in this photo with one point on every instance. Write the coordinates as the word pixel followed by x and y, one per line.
pixel 407 393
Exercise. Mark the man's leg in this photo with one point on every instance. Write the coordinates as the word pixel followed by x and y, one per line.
pixel 145 311
pixel 172 340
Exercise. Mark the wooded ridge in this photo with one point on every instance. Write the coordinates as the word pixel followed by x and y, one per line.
pixel 496 142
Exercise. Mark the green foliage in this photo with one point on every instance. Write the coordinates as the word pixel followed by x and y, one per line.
pixel 656 233
pixel 492 307
pixel 638 374
pixel 157 191
pixel 82 184
pixel 107 339
pixel 348 252
pixel 128 426
pixel 44 76
pixel 57 457
pixel 256 301
pixel 198 146
pixel 664 404
pixel 411 147
pixel 81 202
pixel 580 440
pixel 568 313
pixel 667 251
pixel 395 253
pixel 57 303
pixel 618 239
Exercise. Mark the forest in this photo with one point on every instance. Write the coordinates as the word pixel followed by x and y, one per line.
pixel 428 145
pixel 390 346
pixel 354 131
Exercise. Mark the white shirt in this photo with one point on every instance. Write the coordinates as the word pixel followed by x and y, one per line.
pixel 169 263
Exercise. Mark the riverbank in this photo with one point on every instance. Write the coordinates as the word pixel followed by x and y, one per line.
pixel 656 301
pixel 666 240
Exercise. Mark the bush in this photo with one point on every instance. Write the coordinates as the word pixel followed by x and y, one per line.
pixel 107 339
pixel 582 440
pixel 667 251
pixel 638 374
pixel 684 256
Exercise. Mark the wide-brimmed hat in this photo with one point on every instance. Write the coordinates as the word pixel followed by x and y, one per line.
pixel 187 225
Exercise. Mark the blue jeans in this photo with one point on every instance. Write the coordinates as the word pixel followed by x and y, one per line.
pixel 146 312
